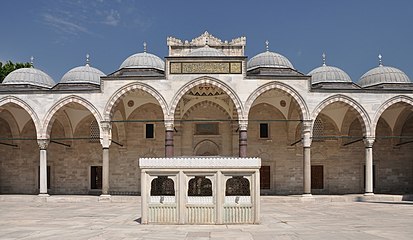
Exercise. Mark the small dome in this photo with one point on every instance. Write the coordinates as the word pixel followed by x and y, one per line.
pixel 83 74
pixel 206 52
pixel 269 59
pixel 328 74
pixel 383 74
pixel 30 76
pixel 143 60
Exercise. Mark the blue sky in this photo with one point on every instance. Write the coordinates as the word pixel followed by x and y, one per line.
pixel 59 33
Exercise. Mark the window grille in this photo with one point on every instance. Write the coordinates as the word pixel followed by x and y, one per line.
pixel 318 130
pixel 94 131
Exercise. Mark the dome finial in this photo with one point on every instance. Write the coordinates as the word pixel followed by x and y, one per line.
pixel 380 62
pixel 87 59
pixel 31 61
pixel 267 45
pixel 324 59
pixel 144 47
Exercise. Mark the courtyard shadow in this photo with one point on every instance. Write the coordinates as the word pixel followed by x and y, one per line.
pixel 138 220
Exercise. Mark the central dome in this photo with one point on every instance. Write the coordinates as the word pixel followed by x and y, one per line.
pixel 206 52
pixel 143 60
pixel 269 59
pixel 31 76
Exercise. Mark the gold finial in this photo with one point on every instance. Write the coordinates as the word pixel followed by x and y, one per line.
pixel 380 62
pixel 31 61
pixel 267 45
pixel 144 47
pixel 324 59
pixel 87 59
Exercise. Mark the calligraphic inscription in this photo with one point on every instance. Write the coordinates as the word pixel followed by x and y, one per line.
pixel 205 67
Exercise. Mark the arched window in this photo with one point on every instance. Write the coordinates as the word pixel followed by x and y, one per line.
pixel 162 186
pixel 237 186
pixel 94 131
pixel 200 186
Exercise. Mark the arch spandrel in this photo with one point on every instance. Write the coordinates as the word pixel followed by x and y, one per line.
pixel 277 86
pixel 47 123
pixel 117 96
pixel 206 80
pixel 27 108
pixel 390 102
pixel 362 113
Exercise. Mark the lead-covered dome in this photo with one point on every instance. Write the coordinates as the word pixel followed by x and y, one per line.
pixel 328 74
pixel 206 52
pixel 83 74
pixel 31 76
pixel 383 74
pixel 143 60
pixel 269 59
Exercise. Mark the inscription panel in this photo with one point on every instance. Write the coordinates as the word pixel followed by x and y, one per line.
pixel 205 67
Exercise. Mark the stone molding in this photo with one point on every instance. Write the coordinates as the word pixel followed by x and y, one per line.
pixel 362 113
pixel 199 162
pixel 61 103
pixel 279 86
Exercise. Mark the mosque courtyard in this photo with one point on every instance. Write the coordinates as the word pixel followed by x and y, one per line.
pixel 328 217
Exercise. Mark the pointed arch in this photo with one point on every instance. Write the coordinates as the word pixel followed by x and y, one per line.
pixel 58 105
pixel 362 113
pixel 27 108
pixel 386 105
pixel 280 86
pixel 117 96
pixel 202 103
pixel 206 80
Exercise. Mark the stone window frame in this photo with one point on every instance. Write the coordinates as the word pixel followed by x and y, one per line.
pixel 268 130
pixel 154 132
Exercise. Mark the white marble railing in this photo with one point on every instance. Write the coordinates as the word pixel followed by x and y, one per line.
pixel 162 214
pixel 237 199
pixel 200 214
pixel 162 199
pixel 238 214
pixel 201 200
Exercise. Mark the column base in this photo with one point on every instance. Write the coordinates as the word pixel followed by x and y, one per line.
pixel 308 195
pixel 43 195
pixel 369 194
pixel 105 198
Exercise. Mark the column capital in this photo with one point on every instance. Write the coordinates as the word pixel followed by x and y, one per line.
pixel 243 125
pixel 169 125
pixel 43 143
pixel 369 141
pixel 307 125
pixel 106 133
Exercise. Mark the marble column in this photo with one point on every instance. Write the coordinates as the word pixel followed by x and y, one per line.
pixel 368 141
pixel 43 143
pixel 106 140
pixel 306 138
pixel 169 138
pixel 243 138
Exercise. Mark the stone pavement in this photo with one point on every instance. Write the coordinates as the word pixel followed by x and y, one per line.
pixel 77 217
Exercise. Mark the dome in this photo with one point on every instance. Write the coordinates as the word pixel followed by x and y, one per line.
pixel 206 52
pixel 83 74
pixel 269 59
pixel 30 76
pixel 383 74
pixel 143 60
pixel 328 74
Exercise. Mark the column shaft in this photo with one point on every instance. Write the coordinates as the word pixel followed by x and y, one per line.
pixel 43 171
pixel 369 170
pixel 169 143
pixel 307 170
pixel 243 143
pixel 105 171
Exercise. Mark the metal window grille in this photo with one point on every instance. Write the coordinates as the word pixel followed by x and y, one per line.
pixel 94 131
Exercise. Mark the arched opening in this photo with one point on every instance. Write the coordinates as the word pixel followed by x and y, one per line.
pixel 19 151
pixel 337 150
pixel 138 130
pixel 199 186
pixel 74 154
pixel 237 186
pixel 393 151
pixel 206 121
pixel 273 119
